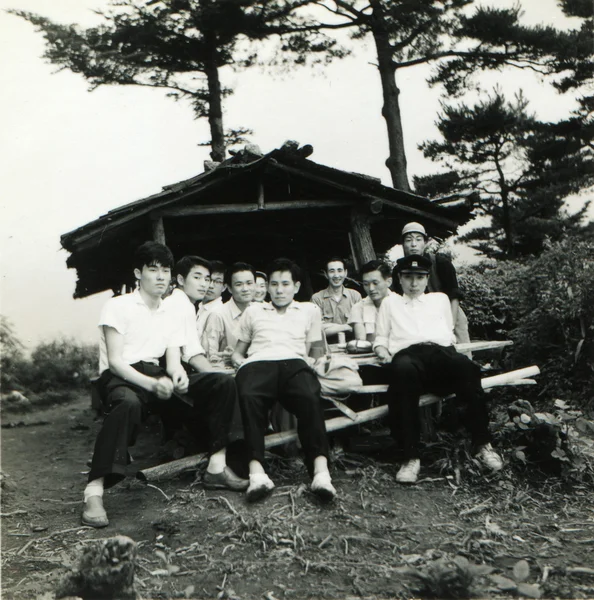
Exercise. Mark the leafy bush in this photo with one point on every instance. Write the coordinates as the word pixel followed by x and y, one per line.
pixel 11 356
pixel 546 306
pixel 61 364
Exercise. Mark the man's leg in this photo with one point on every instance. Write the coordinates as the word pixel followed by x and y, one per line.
pixel 257 386
pixel 300 394
pixel 110 456
pixel 215 398
pixel 454 372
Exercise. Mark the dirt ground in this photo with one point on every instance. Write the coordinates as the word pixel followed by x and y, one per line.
pixel 514 534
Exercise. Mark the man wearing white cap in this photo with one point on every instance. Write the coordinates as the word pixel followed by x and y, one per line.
pixel 442 276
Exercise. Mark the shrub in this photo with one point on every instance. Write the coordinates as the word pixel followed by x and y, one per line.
pixel 61 364
pixel 546 306
pixel 12 357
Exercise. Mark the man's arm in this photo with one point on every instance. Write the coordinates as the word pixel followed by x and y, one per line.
pixel 455 306
pixel 114 342
pixel 175 370
pixel 382 333
pixel 239 354
pixel 213 338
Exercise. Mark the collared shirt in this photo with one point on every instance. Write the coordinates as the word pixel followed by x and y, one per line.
pixel 222 328
pixel 404 321
pixel 147 333
pixel 181 308
pixel 365 313
pixel 279 336
pixel 204 311
pixel 333 310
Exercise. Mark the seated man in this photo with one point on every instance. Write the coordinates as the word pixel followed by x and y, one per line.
pixel 376 277
pixel 414 338
pixel 135 332
pixel 335 301
pixel 220 334
pixel 276 337
pixel 442 276
pixel 212 300
pixel 212 395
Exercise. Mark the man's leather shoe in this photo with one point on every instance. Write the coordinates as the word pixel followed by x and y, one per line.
pixel 225 480
pixel 94 514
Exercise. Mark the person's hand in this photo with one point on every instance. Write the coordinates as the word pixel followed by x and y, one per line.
pixel 180 381
pixel 163 388
pixel 383 355
pixel 237 361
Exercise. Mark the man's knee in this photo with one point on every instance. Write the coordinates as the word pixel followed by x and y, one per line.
pixel 124 399
pixel 404 368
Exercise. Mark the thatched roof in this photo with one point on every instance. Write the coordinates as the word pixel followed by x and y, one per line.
pixel 253 207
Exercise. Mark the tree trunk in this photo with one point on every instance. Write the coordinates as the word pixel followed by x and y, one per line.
pixel 396 162
pixel 215 104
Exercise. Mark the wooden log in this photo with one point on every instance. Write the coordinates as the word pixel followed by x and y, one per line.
pixel 171 469
pixel 260 196
pixel 158 230
pixel 361 236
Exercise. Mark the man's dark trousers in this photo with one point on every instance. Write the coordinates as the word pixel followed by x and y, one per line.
pixel 126 405
pixel 430 368
pixel 295 386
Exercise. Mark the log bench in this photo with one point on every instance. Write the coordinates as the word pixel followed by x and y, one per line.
pixel 351 418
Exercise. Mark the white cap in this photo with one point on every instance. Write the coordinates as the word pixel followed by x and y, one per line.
pixel 413 228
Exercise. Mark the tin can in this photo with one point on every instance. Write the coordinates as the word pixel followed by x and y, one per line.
pixel 341 338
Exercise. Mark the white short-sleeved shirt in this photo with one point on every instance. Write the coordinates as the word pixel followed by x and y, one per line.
pixel 181 309
pixel 365 313
pixel 279 336
pixel 147 333
pixel 222 328
pixel 403 321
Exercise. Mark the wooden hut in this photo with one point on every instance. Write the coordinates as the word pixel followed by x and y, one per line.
pixel 255 207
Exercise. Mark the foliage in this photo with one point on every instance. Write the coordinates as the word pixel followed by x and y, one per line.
pixel 521 168
pixel 546 306
pixel 181 46
pixel 61 364
pixel 11 356
pixel 460 43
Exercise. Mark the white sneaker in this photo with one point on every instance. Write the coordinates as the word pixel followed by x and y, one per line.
pixel 489 458
pixel 322 486
pixel 409 471
pixel 260 486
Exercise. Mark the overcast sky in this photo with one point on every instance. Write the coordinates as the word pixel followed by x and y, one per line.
pixel 68 156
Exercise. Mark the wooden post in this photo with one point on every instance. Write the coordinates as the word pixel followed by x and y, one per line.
pixel 260 195
pixel 361 236
pixel 158 230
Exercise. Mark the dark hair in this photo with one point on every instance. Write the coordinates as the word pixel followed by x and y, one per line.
pixel 285 264
pixel 262 275
pixel 238 267
pixel 217 266
pixel 376 265
pixel 335 259
pixel 187 263
pixel 151 254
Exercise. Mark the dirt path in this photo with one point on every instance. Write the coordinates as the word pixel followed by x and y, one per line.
pixel 201 544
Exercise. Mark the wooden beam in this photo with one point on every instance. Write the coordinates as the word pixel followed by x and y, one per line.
pixel 260 196
pixel 361 236
pixel 220 209
pixel 158 230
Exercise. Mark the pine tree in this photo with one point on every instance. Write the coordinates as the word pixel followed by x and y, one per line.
pixel 182 45
pixel 460 44
pixel 522 169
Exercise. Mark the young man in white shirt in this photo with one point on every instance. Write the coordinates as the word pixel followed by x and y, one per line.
pixel 220 334
pixel 336 300
pixel 414 338
pixel 274 343
pixel 212 394
pixel 376 278
pixel 135 332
